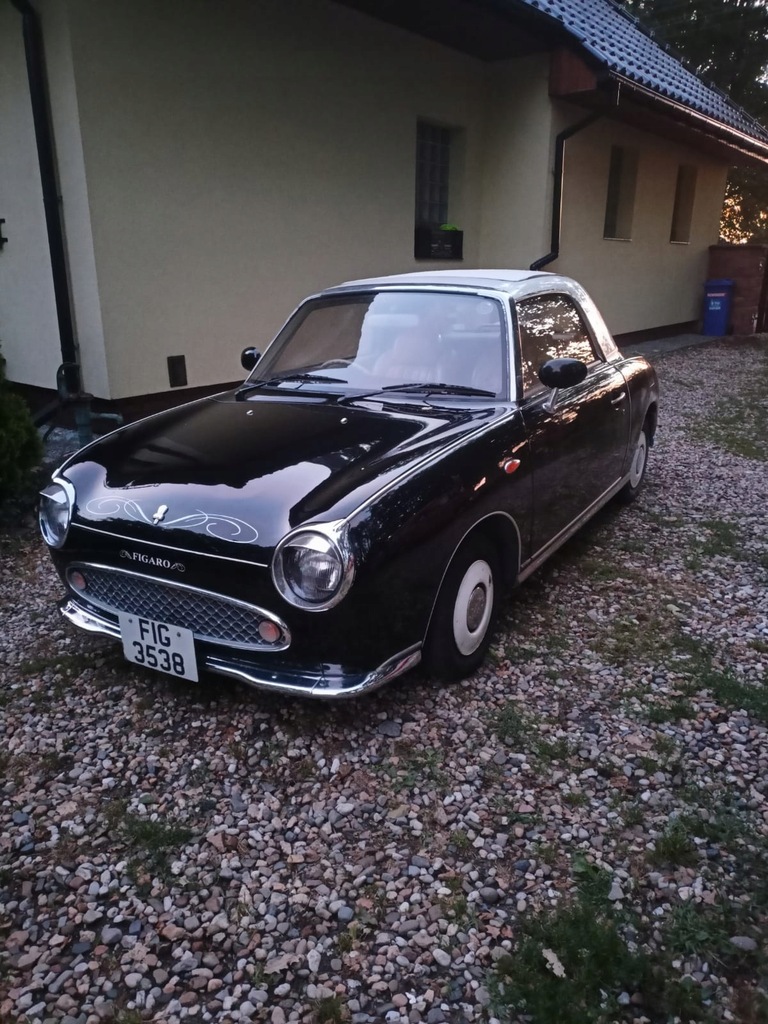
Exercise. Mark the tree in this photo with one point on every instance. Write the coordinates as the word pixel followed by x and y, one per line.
pixel 724 42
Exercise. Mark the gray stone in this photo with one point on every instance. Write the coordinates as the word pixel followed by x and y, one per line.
pixel 390 728
pixel 744 943
pixel 440 956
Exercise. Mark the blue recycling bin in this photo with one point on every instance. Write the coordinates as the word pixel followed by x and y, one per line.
pixel 717 306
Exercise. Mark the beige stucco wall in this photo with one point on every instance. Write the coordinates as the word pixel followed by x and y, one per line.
pixel 29 333
pixel 75 208
pixel 648 281
pixel 240 154
pixel 219 159
pixel 516 213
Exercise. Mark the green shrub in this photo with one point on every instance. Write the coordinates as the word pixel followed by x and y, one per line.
pixel 20 447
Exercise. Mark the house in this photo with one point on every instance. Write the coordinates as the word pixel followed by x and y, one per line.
pixel 176 175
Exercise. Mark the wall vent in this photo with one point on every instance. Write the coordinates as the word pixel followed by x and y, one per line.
pixel 177 371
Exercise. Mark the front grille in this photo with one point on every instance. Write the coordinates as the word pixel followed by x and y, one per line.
pixel 211 617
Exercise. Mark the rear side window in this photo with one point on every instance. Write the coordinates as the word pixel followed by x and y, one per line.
pixel 550 327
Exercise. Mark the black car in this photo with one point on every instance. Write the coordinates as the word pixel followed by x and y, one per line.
pixel 405 449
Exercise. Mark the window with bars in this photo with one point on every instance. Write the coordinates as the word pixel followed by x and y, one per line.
pixel 433 160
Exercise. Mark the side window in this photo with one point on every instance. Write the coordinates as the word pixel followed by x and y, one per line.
pixel 550 327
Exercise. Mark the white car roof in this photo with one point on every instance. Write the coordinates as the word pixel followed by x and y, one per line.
pixel 511 281
pixel 517 284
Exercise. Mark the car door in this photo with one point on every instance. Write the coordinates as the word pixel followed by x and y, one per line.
pixel 579 441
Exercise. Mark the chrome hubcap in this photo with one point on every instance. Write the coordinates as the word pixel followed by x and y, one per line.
pixel 638 462
pixel 473 607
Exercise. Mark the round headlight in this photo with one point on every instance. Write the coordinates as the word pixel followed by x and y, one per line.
pixel 312 571
pixel 56 504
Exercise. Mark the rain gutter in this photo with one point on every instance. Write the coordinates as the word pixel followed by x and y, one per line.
pixel 557 191
pixel 68 377
pixel 745 144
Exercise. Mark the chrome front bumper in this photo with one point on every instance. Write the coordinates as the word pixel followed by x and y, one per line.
pixel 325 684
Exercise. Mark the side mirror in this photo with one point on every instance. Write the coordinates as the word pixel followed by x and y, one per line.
pixel 249 357
pixel 562 373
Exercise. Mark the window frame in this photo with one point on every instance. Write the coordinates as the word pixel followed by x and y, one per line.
pixel 444 147
pixel 684 204
pixel 539 389
pixel 621 194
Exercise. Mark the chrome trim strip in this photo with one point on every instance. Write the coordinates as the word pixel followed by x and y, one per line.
pixel 69 490
pixel 310 684
pixel 88 620
pixel 567 532
pixel 223 598
pixel 317 687
pixel 336 533
pixel 168 547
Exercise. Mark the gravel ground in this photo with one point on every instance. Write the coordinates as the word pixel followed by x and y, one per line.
pixel 171 852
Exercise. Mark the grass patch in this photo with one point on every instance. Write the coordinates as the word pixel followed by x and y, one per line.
pixel 671 712
pixel 413 766
pixel 739 424
pixel 511 725
pixel 151 844
pixel 69 665
pixel 573 963
pixel 329 1010
pixel 553 750
pixel 647 640
pixel 675 845
pixel 607 572
pixel 461 841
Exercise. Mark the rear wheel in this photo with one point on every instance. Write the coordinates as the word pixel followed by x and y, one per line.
pixel 462 622
pixel 637 468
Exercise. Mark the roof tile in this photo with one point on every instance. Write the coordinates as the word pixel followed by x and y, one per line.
pixel 619 43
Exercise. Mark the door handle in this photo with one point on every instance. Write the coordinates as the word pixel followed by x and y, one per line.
pixel 619 398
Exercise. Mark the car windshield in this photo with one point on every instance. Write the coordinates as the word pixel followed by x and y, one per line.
pixel 380 340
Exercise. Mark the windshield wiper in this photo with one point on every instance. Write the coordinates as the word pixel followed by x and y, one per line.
pixel 442 389
pixel 253 385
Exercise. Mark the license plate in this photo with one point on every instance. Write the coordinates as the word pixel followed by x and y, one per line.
pixel 159 645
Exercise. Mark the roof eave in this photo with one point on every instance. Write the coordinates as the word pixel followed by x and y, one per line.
pixel 746 147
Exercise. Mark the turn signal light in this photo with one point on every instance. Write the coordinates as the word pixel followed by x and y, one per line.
pixel 269 632
pixel 77 580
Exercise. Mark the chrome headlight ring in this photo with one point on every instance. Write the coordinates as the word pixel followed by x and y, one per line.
pixel 313 567
pixel 57 502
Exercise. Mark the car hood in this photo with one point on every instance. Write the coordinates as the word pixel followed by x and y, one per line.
pixel 222 472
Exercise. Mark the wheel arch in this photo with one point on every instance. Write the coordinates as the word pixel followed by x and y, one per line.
pixel 501 530
pixel 651 419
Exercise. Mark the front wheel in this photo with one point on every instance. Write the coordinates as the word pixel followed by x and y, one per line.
pixel 462 622
pixel 637 468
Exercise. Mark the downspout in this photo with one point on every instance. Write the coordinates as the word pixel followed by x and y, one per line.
pixel 557 192
pixel 68 378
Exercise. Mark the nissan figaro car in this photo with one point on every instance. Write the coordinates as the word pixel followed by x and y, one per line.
pixel 404 450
